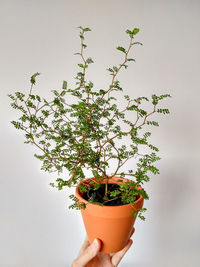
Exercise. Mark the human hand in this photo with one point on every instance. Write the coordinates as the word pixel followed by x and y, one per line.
pixel 89 255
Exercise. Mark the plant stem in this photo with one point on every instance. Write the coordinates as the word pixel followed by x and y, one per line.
pixel 110 200
pixel 106 186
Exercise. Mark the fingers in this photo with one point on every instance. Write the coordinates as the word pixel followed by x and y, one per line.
pixel 116 258
pixel 88 253
pixel 86 244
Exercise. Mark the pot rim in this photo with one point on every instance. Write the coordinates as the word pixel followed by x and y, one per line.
pixel 114 178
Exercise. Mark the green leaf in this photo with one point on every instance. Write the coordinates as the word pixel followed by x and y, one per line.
pixel 153 169
pixel 163 111
pixel 124 65
pixel 105 197
pixel 115 193
pixel 153 147
pixel 56 101
pixel 80 27
pixel 122 49
pixel 55 93
pixel 135 31
pixel 127 97
pixel 20 96
pixel 115 68
pixel 154 123
pixel 110 70
pixel 137 43
pixel 95 173
pixel 38 98
pixel 154 99
pixel 64 86
pixel 130 59
pixel 17 125
pixel 62 94
pixel 83 66
pixel 82 188
pixel 86 29
pixel 97 186
pixel 89 60
pixel 129 32
pixel 163 96
pixel 11 96
pixel 32 80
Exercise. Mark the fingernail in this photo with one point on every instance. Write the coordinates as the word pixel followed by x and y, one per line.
pixel 95 243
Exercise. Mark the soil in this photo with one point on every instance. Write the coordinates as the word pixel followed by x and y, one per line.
pixel 97 195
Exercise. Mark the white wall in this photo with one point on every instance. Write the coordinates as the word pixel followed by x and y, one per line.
pixel 36 227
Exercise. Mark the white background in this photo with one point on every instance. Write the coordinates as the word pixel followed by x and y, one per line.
pixel 36 227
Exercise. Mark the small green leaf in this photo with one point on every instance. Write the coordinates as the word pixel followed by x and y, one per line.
pixel 89 60
pixel 80 27
pixel 127 97
pixel 55 92
pixel 129 32
pixel 164 110
pixel 62 94
pixel 32 80
pixel 64 86
pixel 95 173
pixel 115 68
pixel 105 197
pixel 110 70
pixel 135 31
pixel 97 186
pixel 115 193
pixel 130 59
pixel 86 29
pixel 82 188
pixel 122 49
pixel 83 66
pixel 80 65
pixel 38 98
pixel 137 43
pixel 154 123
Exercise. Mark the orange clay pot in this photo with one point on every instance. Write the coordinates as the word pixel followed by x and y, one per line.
pixel 111 224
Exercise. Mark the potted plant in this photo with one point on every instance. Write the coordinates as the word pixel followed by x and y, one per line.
pixel 92 134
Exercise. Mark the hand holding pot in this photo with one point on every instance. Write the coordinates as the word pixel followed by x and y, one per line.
pixel 90 256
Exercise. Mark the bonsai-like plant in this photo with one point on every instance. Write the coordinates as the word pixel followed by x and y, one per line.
pixel 93 133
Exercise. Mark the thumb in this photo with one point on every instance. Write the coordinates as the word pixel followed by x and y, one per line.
pixel 89 253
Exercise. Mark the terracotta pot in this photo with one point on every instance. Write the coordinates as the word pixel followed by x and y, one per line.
pixel 113 225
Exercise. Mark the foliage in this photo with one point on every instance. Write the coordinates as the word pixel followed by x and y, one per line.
pixel 90 133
